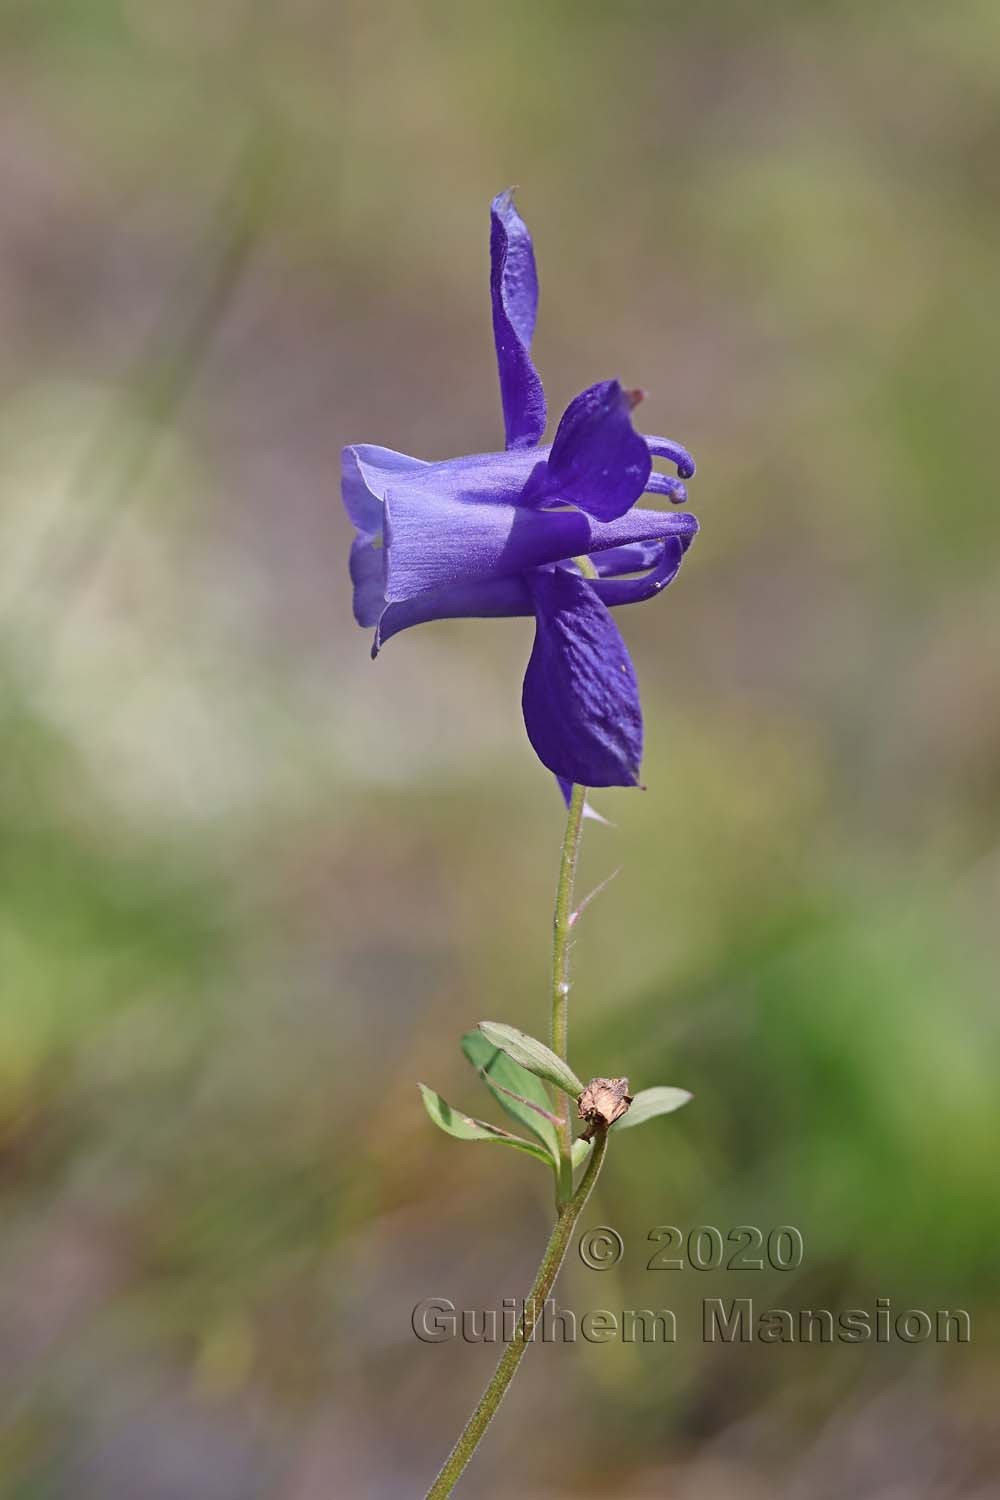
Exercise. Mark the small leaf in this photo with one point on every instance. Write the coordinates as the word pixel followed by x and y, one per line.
pixel 465 1128
pixel 648 1103
pixel 504 1078
pixel 581 1150
pixel 533 1055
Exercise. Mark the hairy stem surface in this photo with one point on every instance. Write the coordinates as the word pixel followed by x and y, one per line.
pixel 568 1203
pixel 555 1252
pixel 560 977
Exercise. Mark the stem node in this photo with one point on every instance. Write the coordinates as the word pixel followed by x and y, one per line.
pixel 569 1204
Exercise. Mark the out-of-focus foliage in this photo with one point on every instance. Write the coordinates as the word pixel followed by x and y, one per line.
pixel 254 886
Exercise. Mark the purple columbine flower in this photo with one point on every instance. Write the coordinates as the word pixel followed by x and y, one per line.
pixel 534 530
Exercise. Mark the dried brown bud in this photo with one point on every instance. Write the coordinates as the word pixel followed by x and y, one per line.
pixel 602 1102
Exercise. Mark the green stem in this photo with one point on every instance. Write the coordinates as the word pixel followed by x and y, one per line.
pixel 555 1252
pixel 560 979
pixel 568 1203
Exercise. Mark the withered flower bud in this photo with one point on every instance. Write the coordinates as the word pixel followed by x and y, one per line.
pixel 602 1102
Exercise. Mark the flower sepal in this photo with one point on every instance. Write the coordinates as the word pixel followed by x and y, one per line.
pixel 551 531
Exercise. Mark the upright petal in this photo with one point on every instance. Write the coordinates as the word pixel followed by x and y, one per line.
pixel 598 460
pixel 580 698
pixel 514 292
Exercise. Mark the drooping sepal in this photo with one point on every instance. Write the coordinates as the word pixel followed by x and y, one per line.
pixel 580 697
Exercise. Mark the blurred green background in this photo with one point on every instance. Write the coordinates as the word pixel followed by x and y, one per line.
pixel 255 886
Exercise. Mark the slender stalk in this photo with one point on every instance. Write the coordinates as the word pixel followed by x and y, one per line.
pixel 560 978
pixel 555 1252
pixel 568 1203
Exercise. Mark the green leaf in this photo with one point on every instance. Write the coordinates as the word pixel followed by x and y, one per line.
pixel 504 1078
pixel 465 1128
pixel 648 1103
pixel 533 1055
pixel 581 1150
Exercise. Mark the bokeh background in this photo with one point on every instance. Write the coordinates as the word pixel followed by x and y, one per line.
pixel 254 885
